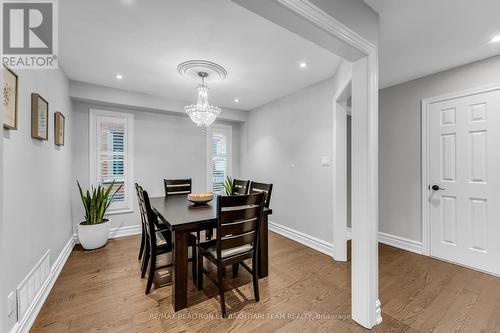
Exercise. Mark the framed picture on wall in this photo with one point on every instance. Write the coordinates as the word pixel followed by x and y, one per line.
pixel 10 94
pixel 39 117
pixel 59 123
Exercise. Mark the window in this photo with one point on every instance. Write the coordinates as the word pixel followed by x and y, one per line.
pixel 111 155
pixel 219 156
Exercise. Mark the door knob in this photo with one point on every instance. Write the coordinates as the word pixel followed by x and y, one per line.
pixel 437 188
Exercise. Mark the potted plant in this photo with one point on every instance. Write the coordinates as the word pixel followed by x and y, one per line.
pixel 94 231
pixel 228 185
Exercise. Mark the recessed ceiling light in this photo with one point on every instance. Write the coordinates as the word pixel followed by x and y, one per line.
pixel 119 76
pixel 303 65
pixel 236 100
pixel 495 39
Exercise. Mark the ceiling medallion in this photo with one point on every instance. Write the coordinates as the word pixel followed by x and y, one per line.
pixel 202 113
pixel 191 68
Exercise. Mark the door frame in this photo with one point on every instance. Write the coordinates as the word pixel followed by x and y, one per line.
pixel 425 110
pixel 306 18
pixel 340 114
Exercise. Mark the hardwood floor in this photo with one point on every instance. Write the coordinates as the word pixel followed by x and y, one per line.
pixel 101 291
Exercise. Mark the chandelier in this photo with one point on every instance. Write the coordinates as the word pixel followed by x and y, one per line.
pixel 202 113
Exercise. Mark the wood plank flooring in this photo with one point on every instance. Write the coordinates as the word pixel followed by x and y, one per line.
pixel 101 291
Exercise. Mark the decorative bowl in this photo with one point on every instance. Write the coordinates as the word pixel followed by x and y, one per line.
pixel 201 198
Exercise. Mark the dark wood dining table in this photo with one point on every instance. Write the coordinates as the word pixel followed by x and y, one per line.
pixel 182 218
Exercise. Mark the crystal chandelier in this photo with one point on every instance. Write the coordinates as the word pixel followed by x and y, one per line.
pixel 202 113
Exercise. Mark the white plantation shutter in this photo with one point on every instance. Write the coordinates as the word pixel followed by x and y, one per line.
pixel 219 161
pixel 111 155
pixel 219 156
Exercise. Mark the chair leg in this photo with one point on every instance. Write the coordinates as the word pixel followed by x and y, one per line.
pixel 194 267
pixel 209 234
pixel 235 270
pixel 143 242
pixel 145 261
pixel 152 269
pixel 199 280
pixel 255 279
pixel 220 273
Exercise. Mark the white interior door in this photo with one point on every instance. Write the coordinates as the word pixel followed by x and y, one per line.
pixel 464 174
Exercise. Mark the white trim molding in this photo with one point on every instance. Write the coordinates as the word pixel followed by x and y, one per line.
pixel 125 231
pixel 24 324
pixel 302 238
pixel 425 109
pixel 400 242
pixel 324 247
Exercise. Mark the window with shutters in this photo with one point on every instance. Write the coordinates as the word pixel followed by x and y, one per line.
pixel 219 156
pixel 111 155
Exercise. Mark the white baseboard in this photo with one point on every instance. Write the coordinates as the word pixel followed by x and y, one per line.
pixel 24 324
pixel 400 242
pixel 327 248
pixel 302 238
pixel 396 241
pixel 125 231
pixel 118 232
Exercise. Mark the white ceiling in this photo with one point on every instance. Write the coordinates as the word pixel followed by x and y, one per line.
pixel 145 40
pixel 421 37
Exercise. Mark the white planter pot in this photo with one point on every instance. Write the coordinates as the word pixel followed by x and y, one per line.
pixel 93 236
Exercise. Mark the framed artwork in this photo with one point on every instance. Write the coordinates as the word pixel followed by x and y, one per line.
pixel 59 123
pixel 39 117
pixel 10 97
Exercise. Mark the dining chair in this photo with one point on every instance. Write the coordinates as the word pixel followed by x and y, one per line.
pixel 267 189
pixel 143 231
pixel 238 220
pixel 240 186
pixel 177 186
pixel 182 186
pixel 159 242
pixel 142 215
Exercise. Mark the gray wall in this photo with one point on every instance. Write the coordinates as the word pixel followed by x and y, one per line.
pixel 165 145
pixel 400 142
pixel 282 143
pixel 37 182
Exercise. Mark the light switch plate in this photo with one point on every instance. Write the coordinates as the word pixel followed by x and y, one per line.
pixel 325 161
pixel 12 303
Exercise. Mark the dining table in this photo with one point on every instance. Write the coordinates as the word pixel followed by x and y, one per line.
pixel 182 218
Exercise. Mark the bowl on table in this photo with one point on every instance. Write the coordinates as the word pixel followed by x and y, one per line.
pixel 201 198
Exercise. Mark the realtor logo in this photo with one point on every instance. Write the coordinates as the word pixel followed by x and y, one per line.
pixel 29 34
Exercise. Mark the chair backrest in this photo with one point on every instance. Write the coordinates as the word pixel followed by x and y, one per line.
pixel 140 201
pixel 177 186
pixel 150 217
pixel 256 187
pixel 240 186
pixel 238 220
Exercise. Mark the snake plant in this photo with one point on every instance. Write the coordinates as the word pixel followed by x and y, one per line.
pixel 228 185
pixel 96 202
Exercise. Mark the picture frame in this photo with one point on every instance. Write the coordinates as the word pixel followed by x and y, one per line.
pixel 39 117
pixel 59 128
pixel 10 98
